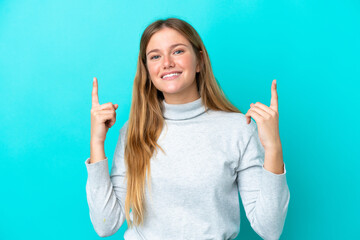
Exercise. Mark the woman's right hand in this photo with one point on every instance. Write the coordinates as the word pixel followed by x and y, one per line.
pixel 103 116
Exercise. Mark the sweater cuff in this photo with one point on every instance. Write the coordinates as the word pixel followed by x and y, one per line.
pixel 97 172
pixel 272 182
pixel 274 173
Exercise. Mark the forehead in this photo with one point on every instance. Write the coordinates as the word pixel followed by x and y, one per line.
pixel 164 38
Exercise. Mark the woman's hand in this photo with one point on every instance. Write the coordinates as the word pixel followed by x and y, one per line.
pixel 267 119
pixel 103 116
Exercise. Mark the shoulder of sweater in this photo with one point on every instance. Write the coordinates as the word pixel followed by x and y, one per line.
pixel 236 121
pixel 124 128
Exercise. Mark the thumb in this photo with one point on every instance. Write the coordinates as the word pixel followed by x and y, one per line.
pixel 116 106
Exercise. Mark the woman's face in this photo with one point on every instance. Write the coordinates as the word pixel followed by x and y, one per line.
pixel 170 52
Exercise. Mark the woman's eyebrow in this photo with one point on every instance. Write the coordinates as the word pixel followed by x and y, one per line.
pixel 172 46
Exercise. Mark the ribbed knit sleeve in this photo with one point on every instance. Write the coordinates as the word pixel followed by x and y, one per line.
pixel 265 195
pixel 106 193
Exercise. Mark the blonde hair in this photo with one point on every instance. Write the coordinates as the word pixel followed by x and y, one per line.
pixel 146 119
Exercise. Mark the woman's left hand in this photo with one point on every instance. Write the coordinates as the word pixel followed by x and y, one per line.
pixel 267 119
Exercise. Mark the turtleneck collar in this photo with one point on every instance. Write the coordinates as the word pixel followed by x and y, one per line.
pixel 183 111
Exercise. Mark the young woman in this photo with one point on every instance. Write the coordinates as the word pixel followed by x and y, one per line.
pixel 210 151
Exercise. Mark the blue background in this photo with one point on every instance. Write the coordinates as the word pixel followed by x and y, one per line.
pixel 51 50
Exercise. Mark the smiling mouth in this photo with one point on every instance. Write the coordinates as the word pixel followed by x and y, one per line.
pixel 172 76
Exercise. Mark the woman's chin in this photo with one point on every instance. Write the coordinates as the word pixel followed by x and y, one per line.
pixel 171 89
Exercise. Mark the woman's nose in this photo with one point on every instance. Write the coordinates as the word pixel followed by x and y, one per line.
pixel 168 62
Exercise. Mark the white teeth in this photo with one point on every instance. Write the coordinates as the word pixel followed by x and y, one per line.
pixel 170 75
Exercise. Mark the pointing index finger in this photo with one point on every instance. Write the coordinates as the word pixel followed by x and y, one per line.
pixel 94 94
pixel 274 96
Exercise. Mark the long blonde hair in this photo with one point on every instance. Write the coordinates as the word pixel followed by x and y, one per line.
pixel 146 119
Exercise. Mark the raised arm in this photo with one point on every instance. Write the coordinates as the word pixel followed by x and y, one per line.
pixel 264 194
pixel 105 194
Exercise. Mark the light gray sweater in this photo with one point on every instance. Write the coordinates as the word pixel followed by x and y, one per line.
pixel 211 156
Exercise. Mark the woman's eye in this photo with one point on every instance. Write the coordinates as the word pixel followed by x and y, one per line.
pixel 179 51
pixel 154 56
